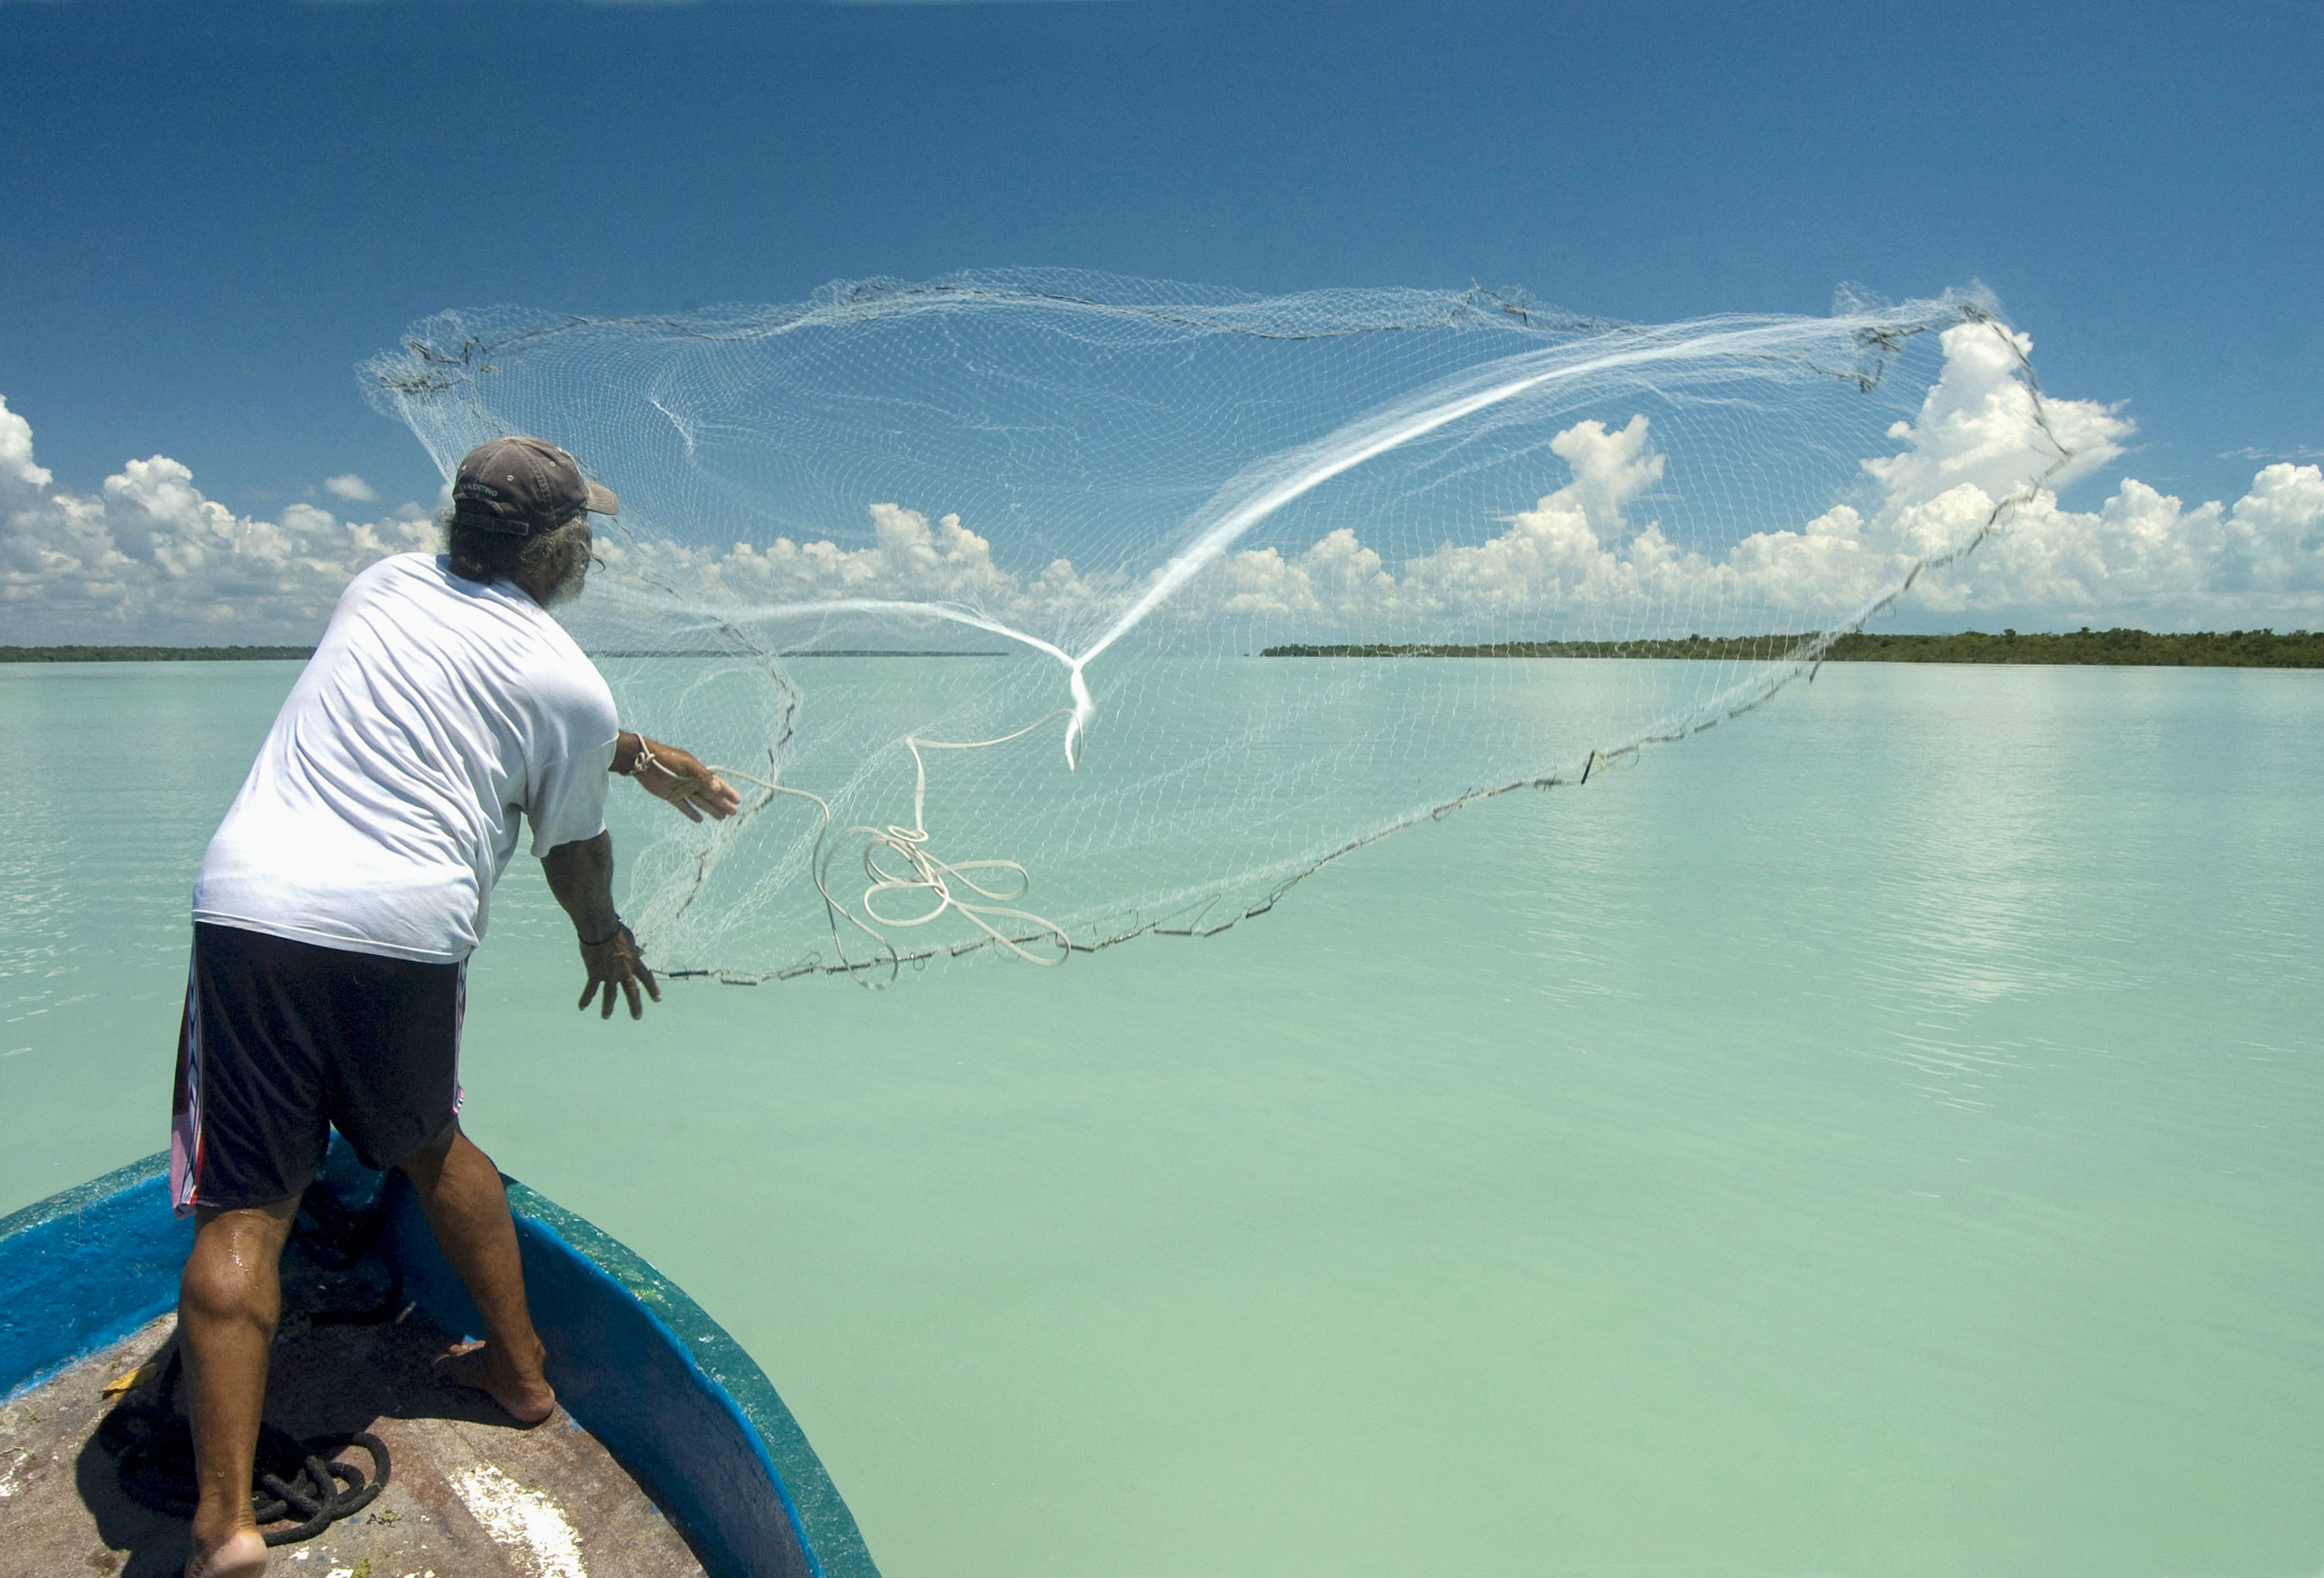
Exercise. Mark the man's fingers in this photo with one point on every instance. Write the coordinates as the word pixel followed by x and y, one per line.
pixel 624 972
pixel 681 779
pixel 680 793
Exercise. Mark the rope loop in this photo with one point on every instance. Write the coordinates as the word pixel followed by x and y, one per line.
pixel 154 1448
pixel 949 886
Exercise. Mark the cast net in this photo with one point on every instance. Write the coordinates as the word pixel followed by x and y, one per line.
pixel 1036 611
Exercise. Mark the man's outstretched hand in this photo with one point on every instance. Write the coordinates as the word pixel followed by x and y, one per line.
pixel 617 965
pixel 669 773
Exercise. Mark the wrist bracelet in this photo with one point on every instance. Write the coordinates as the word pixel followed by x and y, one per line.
pixel 620 925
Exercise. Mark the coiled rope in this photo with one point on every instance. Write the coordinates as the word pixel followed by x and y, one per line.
pixel 946 885
pixel 155 1449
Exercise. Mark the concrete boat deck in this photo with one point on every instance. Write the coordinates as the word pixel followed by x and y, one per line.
pixel 469 1495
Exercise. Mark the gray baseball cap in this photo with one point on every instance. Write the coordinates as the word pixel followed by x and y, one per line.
pixel 519 486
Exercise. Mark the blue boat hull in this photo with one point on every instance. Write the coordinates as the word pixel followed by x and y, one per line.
pixel 635 1362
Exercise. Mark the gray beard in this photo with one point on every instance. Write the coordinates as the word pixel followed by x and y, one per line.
pixel 571 584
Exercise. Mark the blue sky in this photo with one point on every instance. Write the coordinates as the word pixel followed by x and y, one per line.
pixel 213 214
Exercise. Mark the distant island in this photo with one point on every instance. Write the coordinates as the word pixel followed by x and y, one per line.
pixel 2235 648
pixel 153 654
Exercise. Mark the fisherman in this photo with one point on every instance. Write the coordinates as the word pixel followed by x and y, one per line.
pixel 334 918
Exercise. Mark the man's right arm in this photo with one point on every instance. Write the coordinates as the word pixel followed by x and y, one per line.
pixel 581 875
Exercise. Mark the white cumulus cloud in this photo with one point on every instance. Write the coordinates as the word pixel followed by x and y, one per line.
pixel 912 559
pixel 149 560
pixel 1593 558
pixel 1579 561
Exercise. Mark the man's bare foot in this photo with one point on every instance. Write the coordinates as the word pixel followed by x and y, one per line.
pixel 241 1555
pixel 528 1398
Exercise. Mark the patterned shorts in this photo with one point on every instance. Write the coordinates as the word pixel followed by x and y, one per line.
pixel 283 1040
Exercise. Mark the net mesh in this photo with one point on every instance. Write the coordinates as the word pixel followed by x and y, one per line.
pixel 1041 610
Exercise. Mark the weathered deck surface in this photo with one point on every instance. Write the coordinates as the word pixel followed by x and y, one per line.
pixel 470 1495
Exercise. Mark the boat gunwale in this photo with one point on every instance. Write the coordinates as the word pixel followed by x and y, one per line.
pixel 725 1372
pixel 832 1542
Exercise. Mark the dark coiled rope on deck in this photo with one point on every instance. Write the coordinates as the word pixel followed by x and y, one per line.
pixel 154 1447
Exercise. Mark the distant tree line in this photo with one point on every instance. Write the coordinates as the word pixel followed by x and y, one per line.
pixel 2235 648
pixel 152 654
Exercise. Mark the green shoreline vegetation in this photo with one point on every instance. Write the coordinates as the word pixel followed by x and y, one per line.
pixel 2235 648
pixel 153 654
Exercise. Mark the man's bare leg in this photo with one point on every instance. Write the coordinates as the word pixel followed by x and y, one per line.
pixel 460 1190
pixel 229 1298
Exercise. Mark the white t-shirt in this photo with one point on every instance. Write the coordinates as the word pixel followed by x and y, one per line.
pixel 384 803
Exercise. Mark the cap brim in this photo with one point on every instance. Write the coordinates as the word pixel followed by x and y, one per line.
pixel 601 501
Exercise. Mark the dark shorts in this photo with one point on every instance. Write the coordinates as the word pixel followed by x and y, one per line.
pixel 283 1040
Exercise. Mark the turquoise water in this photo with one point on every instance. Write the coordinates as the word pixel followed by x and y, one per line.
pixel 1878 1136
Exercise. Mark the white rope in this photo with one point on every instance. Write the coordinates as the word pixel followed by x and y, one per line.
pixel 946 883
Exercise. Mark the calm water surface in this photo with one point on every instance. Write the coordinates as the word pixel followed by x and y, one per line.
pixel 1878 1136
